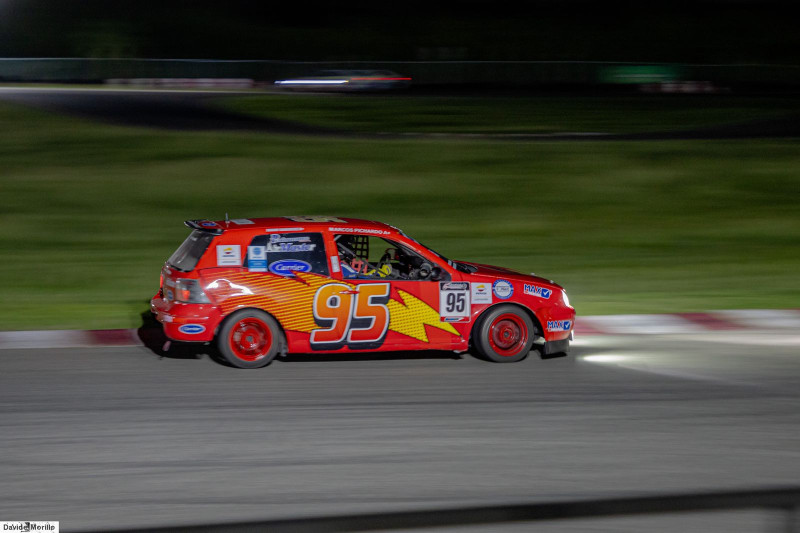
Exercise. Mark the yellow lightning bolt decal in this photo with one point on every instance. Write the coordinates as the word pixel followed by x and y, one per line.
pixel 290 301
pixel 410 319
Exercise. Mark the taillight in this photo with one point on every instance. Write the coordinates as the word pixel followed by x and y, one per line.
pixel 189 291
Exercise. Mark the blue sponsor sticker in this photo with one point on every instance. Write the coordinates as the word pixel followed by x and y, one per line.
pixel 192 329
pixel 287 267
pixel 208 224
pixel 559 325
pixel 503 289
pixel 535 290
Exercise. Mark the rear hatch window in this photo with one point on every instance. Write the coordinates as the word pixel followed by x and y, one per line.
pixel 189 253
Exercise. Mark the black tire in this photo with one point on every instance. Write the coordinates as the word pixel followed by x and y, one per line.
pixel 250 338
pixel 504 334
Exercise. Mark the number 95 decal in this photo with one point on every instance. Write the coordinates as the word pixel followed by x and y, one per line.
pixel 355 317
pixel 454 301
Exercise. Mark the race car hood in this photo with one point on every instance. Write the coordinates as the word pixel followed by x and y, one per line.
pixel 507 273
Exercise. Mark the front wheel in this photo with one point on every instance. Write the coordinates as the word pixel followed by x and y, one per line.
pixel 249 339
pixel 504 334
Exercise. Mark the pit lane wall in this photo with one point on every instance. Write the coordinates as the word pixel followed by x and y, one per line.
pixel 655 324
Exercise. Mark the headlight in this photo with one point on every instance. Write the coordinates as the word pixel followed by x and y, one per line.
pixel 565 297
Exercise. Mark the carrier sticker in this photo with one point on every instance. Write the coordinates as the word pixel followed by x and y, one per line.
pixel 287 267
pixel 335 263
pixel 257 258
pixel 454 301
pixel 502 289
pixel 242 221
pixel 192 329
pixel 315 218
pixel 229 255
pixel 481 293
pixel 535 290
pixel 559 325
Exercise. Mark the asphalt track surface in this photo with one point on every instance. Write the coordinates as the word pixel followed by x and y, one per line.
pixel 120 437
pixel 193 110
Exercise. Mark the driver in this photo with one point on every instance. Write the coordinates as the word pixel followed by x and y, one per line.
pixel 355 267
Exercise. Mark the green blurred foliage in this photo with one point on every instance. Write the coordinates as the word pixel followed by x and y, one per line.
pixel 522 114
pixel 89 212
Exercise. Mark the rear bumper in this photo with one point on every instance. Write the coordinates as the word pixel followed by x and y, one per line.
pixel 186 322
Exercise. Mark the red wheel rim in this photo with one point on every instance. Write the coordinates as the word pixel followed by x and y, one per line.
pixel 508 335
pixel 250 339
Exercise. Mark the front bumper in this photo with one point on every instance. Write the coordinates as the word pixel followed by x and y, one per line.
pixel 552 347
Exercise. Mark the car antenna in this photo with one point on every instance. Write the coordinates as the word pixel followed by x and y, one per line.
pixel 226 219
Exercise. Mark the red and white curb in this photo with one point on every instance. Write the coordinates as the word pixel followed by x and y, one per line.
pixel 661 324
pixel 680 323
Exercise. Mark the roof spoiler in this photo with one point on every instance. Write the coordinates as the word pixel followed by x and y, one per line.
pixel 204 225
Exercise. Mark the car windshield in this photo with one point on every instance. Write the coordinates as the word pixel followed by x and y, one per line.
pixel 189 253
pixel 463 267
pixel 431 250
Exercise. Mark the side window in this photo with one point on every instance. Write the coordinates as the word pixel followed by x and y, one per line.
pixel 286 253
pixel 367 257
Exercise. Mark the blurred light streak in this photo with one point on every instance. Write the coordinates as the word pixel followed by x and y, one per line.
pixel 606 358
pixel 381 79
pixel 311 82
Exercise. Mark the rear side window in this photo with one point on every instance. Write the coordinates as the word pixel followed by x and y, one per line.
pixel 286 253
pixel 189 253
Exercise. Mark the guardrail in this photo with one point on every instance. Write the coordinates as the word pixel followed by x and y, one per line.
pixel 509 73
pixel 784 500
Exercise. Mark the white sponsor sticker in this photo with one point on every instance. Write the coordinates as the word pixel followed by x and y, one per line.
pixel 454 301
pixel 257 258
pixel 315 218
pixel 271 230
pixel 229 255
pixel 481 292
pixel 242 221
pixel 335 263
pixel 503 289
pixel 371 231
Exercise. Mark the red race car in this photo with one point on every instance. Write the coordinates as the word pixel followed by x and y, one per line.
pixel 267 286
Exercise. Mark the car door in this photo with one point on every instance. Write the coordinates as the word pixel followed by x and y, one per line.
pixel 389 299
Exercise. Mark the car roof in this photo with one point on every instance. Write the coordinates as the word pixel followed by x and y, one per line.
pixel 287 223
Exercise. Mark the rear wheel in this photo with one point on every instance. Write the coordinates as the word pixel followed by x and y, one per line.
pixel 504 334
pixel 249 339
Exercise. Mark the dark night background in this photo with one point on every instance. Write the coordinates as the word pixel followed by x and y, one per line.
pixel 694 32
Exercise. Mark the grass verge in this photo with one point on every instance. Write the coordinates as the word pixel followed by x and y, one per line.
pixel 521 114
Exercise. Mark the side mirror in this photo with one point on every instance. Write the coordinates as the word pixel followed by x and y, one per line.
pixel 425 270
pixel 436 274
